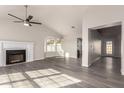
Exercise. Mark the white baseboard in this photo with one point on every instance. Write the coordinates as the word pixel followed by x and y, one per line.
pixel 122 72
pixel 95 60
pixel 85 65
pixel 40 58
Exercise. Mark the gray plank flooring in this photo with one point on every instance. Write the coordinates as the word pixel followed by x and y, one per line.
pixel 63 73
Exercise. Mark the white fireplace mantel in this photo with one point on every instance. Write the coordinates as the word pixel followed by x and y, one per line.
pixel 14 45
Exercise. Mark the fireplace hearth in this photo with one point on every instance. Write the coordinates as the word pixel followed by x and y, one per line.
pixel 15 56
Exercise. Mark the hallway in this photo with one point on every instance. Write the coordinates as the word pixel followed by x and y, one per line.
pixel 108 65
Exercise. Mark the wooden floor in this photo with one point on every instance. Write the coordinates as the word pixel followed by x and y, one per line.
pixel 60 72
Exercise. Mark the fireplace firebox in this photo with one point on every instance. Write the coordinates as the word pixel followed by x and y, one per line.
pixel 15 56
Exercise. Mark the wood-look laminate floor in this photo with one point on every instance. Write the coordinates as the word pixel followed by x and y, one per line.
pixel 63 73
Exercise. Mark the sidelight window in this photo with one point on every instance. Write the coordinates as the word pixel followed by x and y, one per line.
pixel 109 47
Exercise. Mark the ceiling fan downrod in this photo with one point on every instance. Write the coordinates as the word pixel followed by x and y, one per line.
pixel 26 6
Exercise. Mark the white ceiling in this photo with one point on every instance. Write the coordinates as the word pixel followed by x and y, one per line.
pixel 59 18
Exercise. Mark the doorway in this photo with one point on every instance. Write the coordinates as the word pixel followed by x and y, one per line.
pixel 105 44
pixel 79 48
pixel 111 41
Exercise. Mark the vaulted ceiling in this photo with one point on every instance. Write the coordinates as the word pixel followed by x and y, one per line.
pixel 56 17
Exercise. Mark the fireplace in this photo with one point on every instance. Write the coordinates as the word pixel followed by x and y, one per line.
pixel 15 56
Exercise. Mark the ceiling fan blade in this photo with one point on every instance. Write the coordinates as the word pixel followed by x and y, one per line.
pixel 18 21
pixel 35 23
pixel 29 18
pixel 15 17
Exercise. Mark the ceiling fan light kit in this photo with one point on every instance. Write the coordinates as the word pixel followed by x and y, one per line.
pixel 26 24
pixel 27 21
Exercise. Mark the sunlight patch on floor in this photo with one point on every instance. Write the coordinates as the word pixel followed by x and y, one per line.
pixel 33 74
pixel 42 72
pixel 5 86
pixel 4 79
pixel 57 80
pixel 22 84
pixel 16 76
pixel 48 71
pixel 46 83
pixel 44 78
pixel 64 80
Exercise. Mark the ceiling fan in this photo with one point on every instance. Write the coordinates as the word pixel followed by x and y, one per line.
pixel 27 21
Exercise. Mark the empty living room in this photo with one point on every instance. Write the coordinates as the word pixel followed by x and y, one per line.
pixel 61 46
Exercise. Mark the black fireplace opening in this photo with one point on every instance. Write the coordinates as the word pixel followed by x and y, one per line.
pixel 15 56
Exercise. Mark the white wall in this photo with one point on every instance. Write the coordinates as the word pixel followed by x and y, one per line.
pixel 18 32
pixel 70 46
pixel 98 16
pixel 53 54
pixel 70 43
